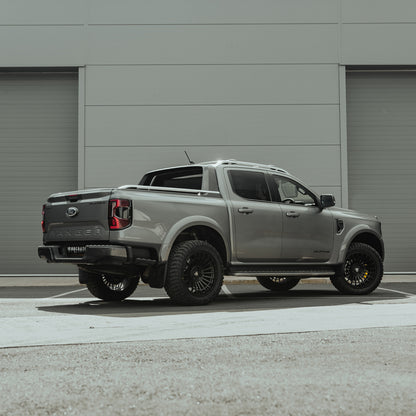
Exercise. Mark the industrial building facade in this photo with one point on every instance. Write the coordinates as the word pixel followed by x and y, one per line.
pixel 96 92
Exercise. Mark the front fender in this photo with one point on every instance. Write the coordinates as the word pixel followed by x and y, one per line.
pixel 352 234
pixel 183 225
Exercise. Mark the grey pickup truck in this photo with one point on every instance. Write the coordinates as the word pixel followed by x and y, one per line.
pixel 183 228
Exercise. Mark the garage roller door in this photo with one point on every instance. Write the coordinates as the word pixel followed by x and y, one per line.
pixel 38 156
pixel 381 123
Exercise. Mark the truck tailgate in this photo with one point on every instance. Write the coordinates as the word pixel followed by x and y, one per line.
pixel 80 216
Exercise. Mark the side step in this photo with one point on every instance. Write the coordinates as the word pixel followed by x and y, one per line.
pixel 281 271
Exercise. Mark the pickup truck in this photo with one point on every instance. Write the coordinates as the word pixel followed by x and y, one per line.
pixel 183 228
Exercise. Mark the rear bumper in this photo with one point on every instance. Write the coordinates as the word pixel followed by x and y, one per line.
pixel 97 254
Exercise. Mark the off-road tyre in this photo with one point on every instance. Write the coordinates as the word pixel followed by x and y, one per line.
pixel 109 287
pixel 194 274
pixel 277 284
pixel 361 272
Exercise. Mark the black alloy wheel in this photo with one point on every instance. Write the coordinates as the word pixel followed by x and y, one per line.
pixel 362 271
pixel 199 273
pixel 278 284
pixel 110 287
pixel 195 273
pixel 357 269
pixel 115 283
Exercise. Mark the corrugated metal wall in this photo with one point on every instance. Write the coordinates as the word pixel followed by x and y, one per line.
pixel 381 114
pixel 38 156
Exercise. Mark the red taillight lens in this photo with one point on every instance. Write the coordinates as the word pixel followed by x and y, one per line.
pixel 43 219
pixel 119 215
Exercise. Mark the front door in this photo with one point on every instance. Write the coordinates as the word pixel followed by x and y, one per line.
pixel 308 231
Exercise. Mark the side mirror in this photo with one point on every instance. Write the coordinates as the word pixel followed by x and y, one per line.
pixel 327 201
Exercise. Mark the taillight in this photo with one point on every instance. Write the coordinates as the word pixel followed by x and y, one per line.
pixel 119 215
pixel 43 219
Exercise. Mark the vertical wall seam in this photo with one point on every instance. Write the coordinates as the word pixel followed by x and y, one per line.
pixel 343 135
pixel 81 127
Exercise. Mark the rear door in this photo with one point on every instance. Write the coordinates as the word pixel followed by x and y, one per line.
pixel 256 220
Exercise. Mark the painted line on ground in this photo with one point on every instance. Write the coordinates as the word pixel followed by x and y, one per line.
pixel 67 293
pixel 227 291
pixel 397 291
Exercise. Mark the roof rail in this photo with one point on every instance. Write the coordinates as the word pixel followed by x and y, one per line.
pixel 247 164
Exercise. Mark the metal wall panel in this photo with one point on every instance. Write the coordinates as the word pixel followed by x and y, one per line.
pixel 381 110
pixel 378 11
pixel 212 84
pixel 213 124
pixel 378 44
pixel 29 12
pixel 114 166
pixel 38 156
pixel 213 44
pixel 213 11
pixel 42 46
pixel 77 33
pixel 146 114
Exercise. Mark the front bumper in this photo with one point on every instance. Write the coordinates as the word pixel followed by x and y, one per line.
pixel 96 254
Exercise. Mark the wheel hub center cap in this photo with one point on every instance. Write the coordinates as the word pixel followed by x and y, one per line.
pixel 195 273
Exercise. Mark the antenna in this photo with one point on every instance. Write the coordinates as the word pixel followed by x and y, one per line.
pixel 189 159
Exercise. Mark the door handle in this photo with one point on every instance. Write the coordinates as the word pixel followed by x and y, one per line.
pixel 245 210
pixel 292 214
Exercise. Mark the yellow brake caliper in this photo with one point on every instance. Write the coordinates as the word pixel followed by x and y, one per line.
pixel 366 273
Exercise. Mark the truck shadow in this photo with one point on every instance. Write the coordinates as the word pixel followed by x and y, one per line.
pixel 236 302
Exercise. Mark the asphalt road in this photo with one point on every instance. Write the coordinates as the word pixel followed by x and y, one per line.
pixel 312 351
pixel 234 297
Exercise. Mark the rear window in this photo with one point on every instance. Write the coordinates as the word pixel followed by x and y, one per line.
pixel 187 178
pixel 249 185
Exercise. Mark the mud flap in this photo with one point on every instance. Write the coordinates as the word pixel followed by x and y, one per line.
pixel 155 276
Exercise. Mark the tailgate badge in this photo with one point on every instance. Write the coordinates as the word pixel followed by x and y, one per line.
pixel 72 211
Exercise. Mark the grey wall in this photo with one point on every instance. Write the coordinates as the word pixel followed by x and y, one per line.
pixel 378 32
pixel 254 79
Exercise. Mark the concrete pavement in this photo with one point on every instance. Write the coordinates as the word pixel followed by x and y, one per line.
pixel 63 315
pixel 39 327
pixel 310 352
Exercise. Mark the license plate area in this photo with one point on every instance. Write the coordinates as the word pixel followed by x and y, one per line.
pixel 73 251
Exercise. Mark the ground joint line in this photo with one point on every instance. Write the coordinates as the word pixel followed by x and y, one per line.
pixel 67 293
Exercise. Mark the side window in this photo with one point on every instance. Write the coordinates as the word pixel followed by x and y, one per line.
pixel 249 185
pixel 291 192
pixel 188 178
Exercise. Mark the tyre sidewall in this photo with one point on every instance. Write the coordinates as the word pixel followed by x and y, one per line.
pixel 176 287
pixel 99 289
pixel 339 280
pixel 268 283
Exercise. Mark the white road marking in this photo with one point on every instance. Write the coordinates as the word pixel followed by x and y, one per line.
pixel 227 291
pixel 67 293
pixel 397 291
